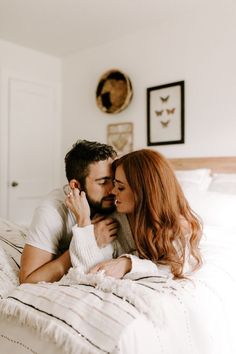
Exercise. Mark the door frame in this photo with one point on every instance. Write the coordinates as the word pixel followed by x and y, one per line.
pixel 5 77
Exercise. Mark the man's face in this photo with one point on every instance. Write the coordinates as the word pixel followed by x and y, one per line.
pixel 98 187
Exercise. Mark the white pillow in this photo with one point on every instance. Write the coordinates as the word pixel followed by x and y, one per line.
pixel 223 183
pixel 197 178
pixel 215 209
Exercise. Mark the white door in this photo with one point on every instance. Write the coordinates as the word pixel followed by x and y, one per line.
pixel 32 147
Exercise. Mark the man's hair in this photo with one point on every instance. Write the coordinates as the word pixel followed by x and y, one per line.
pixel 82 154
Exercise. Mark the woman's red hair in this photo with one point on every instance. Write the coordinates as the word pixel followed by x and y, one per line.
pixel 165 226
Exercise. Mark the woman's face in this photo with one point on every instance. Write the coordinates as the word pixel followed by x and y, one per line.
pixel 123 192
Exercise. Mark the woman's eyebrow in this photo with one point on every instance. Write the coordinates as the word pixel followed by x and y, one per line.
pixel 118 181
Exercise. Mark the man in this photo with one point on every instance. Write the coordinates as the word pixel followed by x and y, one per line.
pixel 45 256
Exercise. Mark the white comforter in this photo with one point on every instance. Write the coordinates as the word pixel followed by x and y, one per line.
pixel 88 314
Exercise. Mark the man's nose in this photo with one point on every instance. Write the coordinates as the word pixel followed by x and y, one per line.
pixel 110 187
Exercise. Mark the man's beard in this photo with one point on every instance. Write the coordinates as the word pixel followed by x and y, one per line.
pixel 97 208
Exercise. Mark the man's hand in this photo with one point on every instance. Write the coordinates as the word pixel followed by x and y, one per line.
pixel 105 230
pixel 116 268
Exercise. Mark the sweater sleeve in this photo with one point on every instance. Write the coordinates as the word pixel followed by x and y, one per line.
pixel 139 265
pixel 84 251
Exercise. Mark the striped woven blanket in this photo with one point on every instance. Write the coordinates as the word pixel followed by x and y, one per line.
pixel 88 312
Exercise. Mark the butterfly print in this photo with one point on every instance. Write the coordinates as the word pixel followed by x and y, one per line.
pixel 164 99
pixel 170 111
pixel 165 124
pixel 159 113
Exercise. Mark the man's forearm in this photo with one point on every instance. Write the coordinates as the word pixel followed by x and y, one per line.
pixel 51 271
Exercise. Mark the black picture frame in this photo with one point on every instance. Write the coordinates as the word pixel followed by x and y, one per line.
pixel 165 114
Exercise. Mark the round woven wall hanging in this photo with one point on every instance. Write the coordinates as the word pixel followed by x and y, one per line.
pixel 114 91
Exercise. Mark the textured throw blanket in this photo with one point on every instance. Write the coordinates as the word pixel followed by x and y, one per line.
pixel 90 313
pixel 12 240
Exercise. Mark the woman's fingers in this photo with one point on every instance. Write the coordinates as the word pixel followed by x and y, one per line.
pixel 94 270
pixel 116 268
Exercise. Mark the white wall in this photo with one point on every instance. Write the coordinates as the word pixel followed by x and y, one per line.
pixel 25 64
pixel 195 44
pixel 28 63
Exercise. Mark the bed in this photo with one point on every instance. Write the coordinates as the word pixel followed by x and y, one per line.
pixel 143 314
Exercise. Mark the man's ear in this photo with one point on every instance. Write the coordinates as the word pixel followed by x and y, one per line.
pixel 74 184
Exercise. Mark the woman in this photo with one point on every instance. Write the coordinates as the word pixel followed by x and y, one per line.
pixel 164 228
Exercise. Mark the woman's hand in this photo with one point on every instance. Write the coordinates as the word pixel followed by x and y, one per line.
pixel 116 268
pixel 77 202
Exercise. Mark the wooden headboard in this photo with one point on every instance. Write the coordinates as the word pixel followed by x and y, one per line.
pixel 216 164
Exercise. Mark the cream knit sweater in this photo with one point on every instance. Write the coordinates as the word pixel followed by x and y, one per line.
pixel 85 253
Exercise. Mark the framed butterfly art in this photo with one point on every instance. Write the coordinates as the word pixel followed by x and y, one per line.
pixel 165 114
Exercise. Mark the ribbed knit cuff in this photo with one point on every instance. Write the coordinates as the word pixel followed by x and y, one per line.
pixel 139 265
pixel 84 251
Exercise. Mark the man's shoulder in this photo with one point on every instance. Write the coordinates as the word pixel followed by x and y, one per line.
pixel 56 197
pixel 52 217
pixel 53 204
